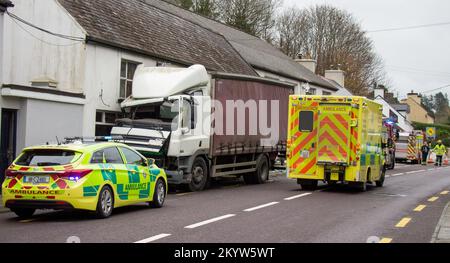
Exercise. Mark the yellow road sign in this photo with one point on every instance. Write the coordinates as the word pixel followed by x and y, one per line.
pixel 431 132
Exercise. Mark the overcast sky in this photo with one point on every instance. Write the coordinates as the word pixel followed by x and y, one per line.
pixel 417 59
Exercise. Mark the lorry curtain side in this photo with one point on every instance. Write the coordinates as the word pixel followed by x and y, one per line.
pixel 251 92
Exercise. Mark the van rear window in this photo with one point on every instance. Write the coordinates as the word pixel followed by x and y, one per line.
pixel 306 121
pixel 46 157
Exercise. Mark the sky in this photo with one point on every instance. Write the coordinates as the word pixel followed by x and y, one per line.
pixel 415 60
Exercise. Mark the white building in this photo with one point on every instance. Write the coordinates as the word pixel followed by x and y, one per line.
pixel 71 84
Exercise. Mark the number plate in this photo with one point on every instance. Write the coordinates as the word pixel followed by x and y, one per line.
pixel 36 180
pixel 305 154
pixel 334 176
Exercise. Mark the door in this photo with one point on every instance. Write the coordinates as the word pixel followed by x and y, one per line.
pixel 303 134
pixel 138 175
pixel 8 140
pixel 334 133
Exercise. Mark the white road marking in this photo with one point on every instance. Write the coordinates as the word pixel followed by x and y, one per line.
pixel 394 175
pixel 432 169
pixel 152 239
pixel 260 207
pixel 206 222
pixel 412 172
pixel 297 196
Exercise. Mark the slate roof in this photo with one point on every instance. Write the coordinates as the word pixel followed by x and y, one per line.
pixel 140 27
pixel 260 54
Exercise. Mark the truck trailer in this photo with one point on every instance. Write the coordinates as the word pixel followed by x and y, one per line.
pixel 201 125
pixel 335 139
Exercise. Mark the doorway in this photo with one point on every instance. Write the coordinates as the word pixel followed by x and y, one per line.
pixel 8 140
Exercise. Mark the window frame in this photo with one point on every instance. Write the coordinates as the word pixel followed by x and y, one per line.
pixel 125 78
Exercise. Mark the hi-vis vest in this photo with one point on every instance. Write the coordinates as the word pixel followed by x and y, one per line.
pixel 440 149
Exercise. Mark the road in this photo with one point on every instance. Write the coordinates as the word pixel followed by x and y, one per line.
pixel 274 212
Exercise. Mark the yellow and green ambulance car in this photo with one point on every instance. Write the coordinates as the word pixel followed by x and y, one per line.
pixel 94 177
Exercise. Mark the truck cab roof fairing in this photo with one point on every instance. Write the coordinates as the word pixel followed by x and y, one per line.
pixel 159 82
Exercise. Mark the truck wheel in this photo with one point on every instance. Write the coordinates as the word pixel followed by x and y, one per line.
pixel 308 185
pixel 159 196
pixel 199 175
pixel 23 213
pixel 380 182
pixel 262 172
pixel 105 203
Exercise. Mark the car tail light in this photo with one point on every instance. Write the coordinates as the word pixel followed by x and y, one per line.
pixel 74 175
pixel 11 174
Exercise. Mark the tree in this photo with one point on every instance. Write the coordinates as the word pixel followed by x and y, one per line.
pixel 428 103
pixel 336 40
pixel 256 17
pixel 206 8
pixel 442 108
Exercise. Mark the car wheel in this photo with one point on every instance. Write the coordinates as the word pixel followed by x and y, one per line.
pixel 199 175
pixel 24 213
pixel 159 196
pixel 105 203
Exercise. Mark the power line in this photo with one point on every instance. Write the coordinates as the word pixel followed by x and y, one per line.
pixel 409 27
pixel 430 91
pixel 18 19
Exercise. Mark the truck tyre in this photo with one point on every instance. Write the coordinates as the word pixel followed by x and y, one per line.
pixel 262 172
pixel 23 213
pixel 199 175
pixel 105 203
pixel 380 182
pixel 308 185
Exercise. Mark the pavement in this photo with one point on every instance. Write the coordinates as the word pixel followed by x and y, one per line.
pixel 406 210
pixel 442 233
pixel 2 209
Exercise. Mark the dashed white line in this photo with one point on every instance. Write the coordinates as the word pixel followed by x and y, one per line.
pixel 206 222
pixel 261 207
pixel 297 196
pixel 394 175
pixel 412 172
pixel 152 239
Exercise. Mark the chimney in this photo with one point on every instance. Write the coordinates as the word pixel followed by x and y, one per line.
pixel 415 97
pixel 308 63
pixel 336 75
pixel 379 92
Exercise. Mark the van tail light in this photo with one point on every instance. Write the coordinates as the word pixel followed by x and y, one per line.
pixel 74 175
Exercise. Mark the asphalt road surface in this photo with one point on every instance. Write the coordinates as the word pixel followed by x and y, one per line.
pixel 407 209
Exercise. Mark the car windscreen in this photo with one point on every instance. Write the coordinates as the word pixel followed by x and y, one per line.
pixel 47 157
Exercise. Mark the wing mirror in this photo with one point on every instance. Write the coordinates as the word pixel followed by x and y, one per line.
pixel 184 131
pixel 150 162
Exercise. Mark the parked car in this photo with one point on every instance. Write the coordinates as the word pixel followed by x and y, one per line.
pixel 95 177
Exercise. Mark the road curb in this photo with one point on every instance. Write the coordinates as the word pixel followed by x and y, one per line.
pixel 442 232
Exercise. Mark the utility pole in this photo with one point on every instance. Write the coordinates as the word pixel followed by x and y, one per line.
pixel 4 5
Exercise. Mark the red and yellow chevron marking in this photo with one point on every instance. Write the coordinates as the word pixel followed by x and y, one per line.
pixel 353 138
pixel 303 141
pixel 333 138
pixel 412 153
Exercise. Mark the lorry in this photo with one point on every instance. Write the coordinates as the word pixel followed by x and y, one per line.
pixel 408 146
pixel 335 139
pixel 201 125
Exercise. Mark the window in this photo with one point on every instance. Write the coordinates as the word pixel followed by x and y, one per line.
pixel 311 92
pixel 326 93
pixel 108 155
pixel 46 158
pixel 132 157
pixel 127 70
pixel 306 121
pixel 105 121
